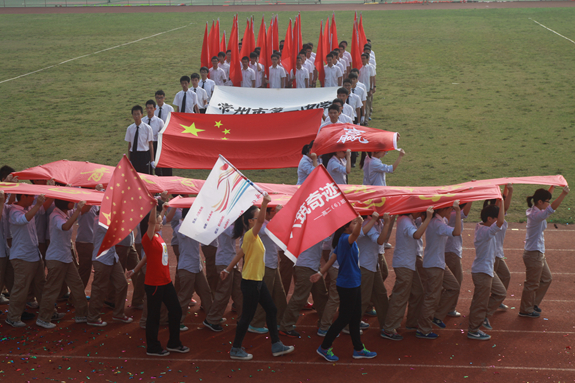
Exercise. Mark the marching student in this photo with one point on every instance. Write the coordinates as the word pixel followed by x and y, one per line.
pixel 367 78
pixel 157 124
pixel 453 252
pixel 201 94
pixel 441 287
pixel 140 140
pixel 254 289
pixel 377 169
pixel 349 289
pixel 353 100
pixel 186 100
pixel 343 118
pixel 339 63
pixel 163 110
pixel 339 166
pixel 301 76
pixel 223 64
pixel 307 163
pixel 500 266
pixel 489 292
pixel 332 304
pixel 61 267
pixel 537 273
pixel 190 276
pixel 348 110
pixel 159 287
pixel 277 74
pixel 344 52
pixel 85 241
pixel 257 68
pixel 359 89
pixel 217 74
pixel 4 251
pixel 407 287
pixel 205 83
pixel 248 74
pixel 333 74
pixel 333 114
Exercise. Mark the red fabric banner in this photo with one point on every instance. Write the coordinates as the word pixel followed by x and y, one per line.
pixel 235 63
pixel 287 53
pixel 355 49
pixel 338 137
pixel 268 51
pixel 246 49
pixel 262 34
pixel 276 36
pixel 253 141
pixel 92 197
pixel 223 44
pixel 319 57
pixel 362 38
pixel 334 40
pixel 214 41
pixel 313 213
pixel 205 58
pixel 126 202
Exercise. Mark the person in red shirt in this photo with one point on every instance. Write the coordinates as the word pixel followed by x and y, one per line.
pixel 159 288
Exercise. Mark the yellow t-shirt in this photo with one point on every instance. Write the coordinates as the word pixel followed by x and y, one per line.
pixel 254 262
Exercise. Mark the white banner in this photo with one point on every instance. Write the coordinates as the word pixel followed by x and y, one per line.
pixel 223 198
pixel 237 100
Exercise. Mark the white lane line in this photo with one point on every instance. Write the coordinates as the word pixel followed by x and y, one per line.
pixel 94 53
pixel 551 30
pixel 522 249
pixel 292 362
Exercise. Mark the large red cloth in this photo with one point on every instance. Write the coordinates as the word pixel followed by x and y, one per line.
pixel 338 137
pixel 92 197
pixel 254 141
pixel 313 213
pixel 334 40
pixel 126 202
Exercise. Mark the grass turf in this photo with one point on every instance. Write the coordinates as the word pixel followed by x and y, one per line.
pixel 474 93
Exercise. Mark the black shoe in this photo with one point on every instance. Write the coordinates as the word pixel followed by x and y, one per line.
pixel 534 314
pixel 182 349
pixel 159 353
pixel 536 308
pixel 213 327
pixel 27 316
pixel 291 334
pixel 111 305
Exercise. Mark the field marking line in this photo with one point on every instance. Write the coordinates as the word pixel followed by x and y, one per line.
pixel 522 249
pixel 549 29
pixel 291 362
pixel 94 53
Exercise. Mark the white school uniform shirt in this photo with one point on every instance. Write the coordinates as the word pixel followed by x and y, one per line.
pixel 165 111
pixel 345 119
pixel 377 171
pixel 226 247
pixel 435 237
pixel 218 76
pixel 485 245
pixel 341 65
pixel 372 57
pixel 455 244
pixel 349 111
pixel 145 135
pixel 368 247
pixel 405 251
pixel 60 248
pixel 365 74
pixel 310 66
pixel 499 239
pixel 336 167
pixel 24 237
pixel 207 85
pixel 536 225
pixel 191 100
pixel 360 91
pixel 259 73
pixel 355 103
pixel 226 67
pixel 202 97
pixel 248 75
pixel 156 124
pixel 331 75
pixel 312 56
pixel 276 76
pixel 347 56
pixel 300 76
pixel 328 122
pixel 108 257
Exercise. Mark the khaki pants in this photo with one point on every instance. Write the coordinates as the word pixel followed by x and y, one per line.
pixel 332 303
pixel 231 286
pixel 453 261
pixel 58 274
pixel 487 296
pixel 407 288
pixel 286 271
pixel 368 108
pixel 373 290
pixel 537 280
pixel 84 251
pixel 383 269
pixel 103 274
pixel 211 271
pixel 502 271
pixel 27 276
pixel 190 282
pixel 302 288
pixel 441 289
pixel 6 274
pixel 273 282
pixel 129 259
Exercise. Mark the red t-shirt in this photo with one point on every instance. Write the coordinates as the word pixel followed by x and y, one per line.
pixel 157 269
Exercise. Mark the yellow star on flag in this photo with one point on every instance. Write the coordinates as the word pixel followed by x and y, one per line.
pixel 218 124
pixel 225 138
pixel 191 129
pixel 226 131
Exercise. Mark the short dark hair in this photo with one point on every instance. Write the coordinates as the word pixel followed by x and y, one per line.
pixel 347 81
pixel 204 68
pixel 343 91
pixel 329 55
pixel 228 51
pixel 354 70
pixel 352 74
pixel 222 54
pixel 333 107
pixel 160 93
pixel 151 102
pixel 365 55
pixel 5 172
pixel 245 58
pixel 337 101
pixel 276 56
pixel 195 75
pixel 137 107
pixel 489 211
pixel 253 55
pixel 214 57
pixel 343 42
pixel 184 78
pixel 341 45
pixel 61 204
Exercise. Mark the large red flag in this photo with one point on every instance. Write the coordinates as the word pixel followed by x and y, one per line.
pixel 91 197
pixel 252 37
pixel 326 41
pixel 223 44
pixel 262 34
pixel 214 41
pixel 217 35
pixel 319 57
pixel 287 57
pixel 269 50
pixel 334 40
pixel 276 37
pixel 205 58
pixel 300 40
pixel 235 66
pixel 246 42
pixel 355 49
pixel 338 137
pixel 126 202
pixel 250 141
pixel 313 213
pixel 362 38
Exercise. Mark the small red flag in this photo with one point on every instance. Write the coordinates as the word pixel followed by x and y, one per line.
pixel 214 41
pixel 217 36
pixel 334 40
pixel 205 59
pixel 287 59
pixel 252 37
pixel 235 66
pixel 126 202
pixel 313 213
pixel 223 44
pixel 269 50
pixel 355 49
pixel 319 57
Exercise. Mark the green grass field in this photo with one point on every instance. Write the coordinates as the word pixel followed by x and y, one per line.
pixel 474 93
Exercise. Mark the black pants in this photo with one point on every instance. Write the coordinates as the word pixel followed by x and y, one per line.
pixel 157 295
pixel 203 111
pixel 141 161
pixel 165 172
pixel 349 314
pixel 255 292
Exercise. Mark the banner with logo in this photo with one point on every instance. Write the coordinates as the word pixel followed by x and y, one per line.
pixel 339 137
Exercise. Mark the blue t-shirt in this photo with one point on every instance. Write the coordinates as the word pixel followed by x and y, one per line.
pixel 349 275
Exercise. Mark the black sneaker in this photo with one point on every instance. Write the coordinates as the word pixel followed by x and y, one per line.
pixel 159 353
pixel 291 334
pixel 536 308
pixel 213 327
pixel 181 349
pixel 534 314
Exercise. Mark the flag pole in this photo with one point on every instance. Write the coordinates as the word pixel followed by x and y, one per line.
pixel 246 178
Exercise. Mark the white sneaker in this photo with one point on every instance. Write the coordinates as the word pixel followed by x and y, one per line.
pixel 4 300
pixel 58 316
pixel 44 324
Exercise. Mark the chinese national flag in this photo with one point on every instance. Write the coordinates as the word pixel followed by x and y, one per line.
pixel 314 212
pixel 126 202
pixel 319 57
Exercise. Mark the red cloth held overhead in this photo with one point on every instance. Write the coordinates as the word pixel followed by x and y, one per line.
pixel 338 137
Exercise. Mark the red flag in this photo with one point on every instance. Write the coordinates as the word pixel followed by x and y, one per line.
pixel 91 197
pixel 250 141
pixel 217 35
pixel 334 40
pixel 362 38
pixel 326 41
pixel 287 58
pixel 276 37
pixel 319 57
pixel 246 41
pixel 338 137
pixel 205 58
pixel 126 202
pixel 252 37
pixel 355 49
pixel 214 41
pixel 262 34
pixel 314 212
pixel 269 50
pixel 223 44
pixel 235 66
pixel 300 40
